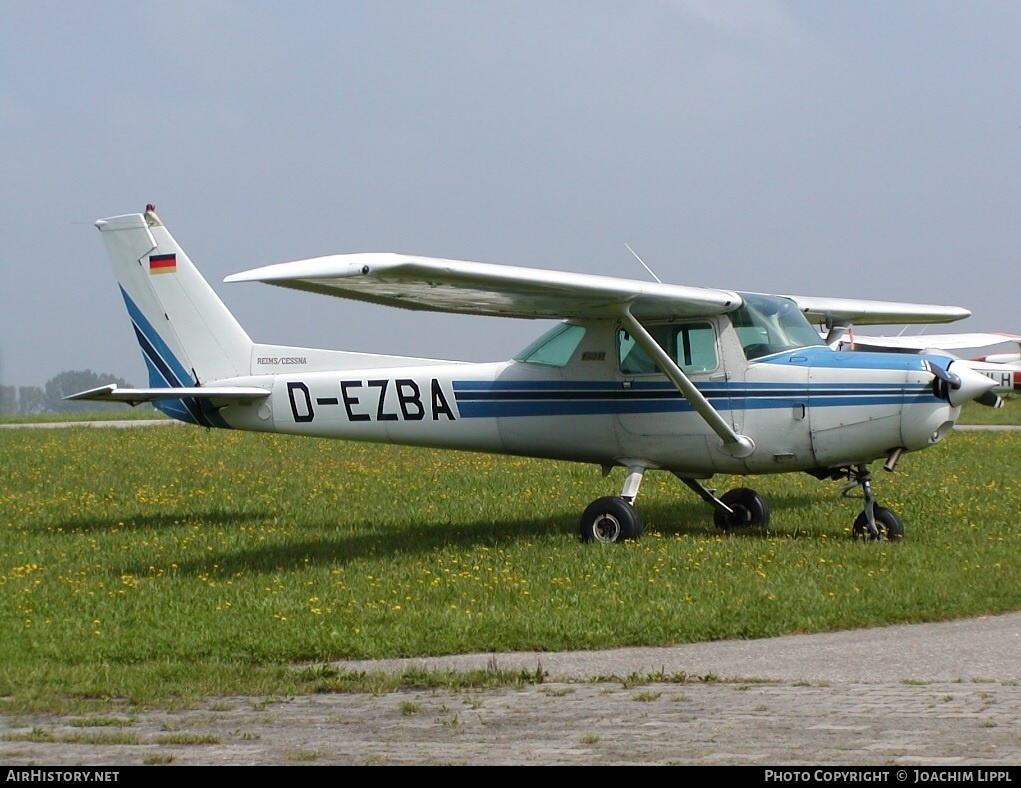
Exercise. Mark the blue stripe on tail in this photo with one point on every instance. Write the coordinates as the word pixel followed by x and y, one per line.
pixel 166 371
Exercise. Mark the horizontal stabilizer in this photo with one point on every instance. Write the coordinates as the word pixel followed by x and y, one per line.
pixel 226 394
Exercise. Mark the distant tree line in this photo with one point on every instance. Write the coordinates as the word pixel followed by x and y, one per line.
pixel 27 400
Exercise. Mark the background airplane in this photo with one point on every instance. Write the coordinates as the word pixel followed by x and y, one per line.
pixel 639 375
pixel 1004 368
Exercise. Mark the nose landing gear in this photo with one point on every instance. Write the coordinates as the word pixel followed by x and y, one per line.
pixel 875 523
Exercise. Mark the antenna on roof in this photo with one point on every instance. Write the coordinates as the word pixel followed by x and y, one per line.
pixel 639 259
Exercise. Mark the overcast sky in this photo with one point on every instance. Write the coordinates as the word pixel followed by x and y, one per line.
pixel 861 149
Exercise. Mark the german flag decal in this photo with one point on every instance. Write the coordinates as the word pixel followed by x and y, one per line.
pixel 162 263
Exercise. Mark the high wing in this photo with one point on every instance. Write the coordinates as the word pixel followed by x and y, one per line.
pixel 463 287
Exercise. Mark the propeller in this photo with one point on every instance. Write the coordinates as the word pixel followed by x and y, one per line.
pixel 963 385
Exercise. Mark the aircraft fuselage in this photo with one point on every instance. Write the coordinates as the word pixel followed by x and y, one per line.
pixel 805 409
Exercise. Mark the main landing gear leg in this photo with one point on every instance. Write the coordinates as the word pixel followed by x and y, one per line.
pixel 875 523
pixel 615 519
pixel 737 508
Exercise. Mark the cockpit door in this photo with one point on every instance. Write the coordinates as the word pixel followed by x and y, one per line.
pixel 650 404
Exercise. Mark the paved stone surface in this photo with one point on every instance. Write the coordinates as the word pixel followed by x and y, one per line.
pixel 945 694
pixel 988 428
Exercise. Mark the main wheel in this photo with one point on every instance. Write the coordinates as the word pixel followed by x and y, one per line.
pixel 610 520
pixel 749 507
pixel 890 527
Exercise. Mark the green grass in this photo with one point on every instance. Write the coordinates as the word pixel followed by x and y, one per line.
pixel 141 412
pixel 187 738
pixel 101 722
pixel 155 566
pixel 1010 413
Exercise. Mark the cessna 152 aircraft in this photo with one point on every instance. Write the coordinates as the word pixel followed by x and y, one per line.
pixel 643 375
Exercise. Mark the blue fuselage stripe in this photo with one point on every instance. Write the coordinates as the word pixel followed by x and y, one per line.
pixel 476 399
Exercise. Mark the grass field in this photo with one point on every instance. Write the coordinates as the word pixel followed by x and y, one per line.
pixel 162 563
pixel 140 413
pixel 1010 413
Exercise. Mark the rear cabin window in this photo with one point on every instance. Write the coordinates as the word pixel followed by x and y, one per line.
pixel 555 347
pixel 691 345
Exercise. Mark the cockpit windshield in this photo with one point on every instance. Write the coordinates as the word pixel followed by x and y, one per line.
pixel 768 324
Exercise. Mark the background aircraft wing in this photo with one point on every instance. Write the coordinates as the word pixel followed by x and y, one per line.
pixel 920 342
pixel 864 312
pixel 463 287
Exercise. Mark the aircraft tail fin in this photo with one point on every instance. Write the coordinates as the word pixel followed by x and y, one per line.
pixel 187 335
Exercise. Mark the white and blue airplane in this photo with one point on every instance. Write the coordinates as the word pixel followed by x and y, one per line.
pixel 642 375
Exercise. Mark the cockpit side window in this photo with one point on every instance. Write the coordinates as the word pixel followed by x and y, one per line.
pixel 555 347
pixel 691 345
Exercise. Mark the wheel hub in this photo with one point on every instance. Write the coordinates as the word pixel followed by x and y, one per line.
pixel 606 528
pixel 741 515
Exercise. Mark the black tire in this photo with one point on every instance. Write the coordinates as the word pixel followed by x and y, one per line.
pixel 610 520
pixel 891 529
pixel 749 507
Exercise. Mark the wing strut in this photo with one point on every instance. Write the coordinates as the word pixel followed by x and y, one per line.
pixel 733 444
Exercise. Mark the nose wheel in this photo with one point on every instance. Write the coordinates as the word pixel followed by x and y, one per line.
pixel 888 526
pixel 875 523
